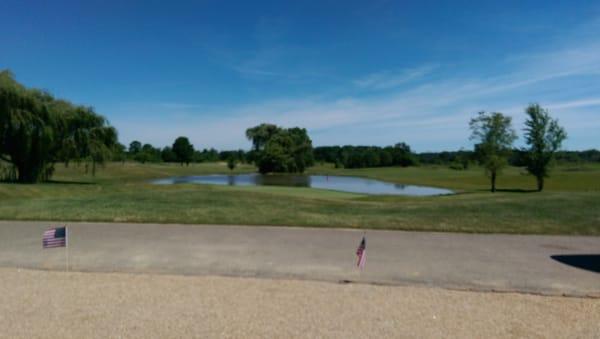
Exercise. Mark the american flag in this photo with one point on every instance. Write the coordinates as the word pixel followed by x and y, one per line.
pixel 55 237
pixel 361 252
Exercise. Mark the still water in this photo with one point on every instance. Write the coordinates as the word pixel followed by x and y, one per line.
pixel 336 183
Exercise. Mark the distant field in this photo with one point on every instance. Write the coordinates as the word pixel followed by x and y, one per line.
pixel 121 192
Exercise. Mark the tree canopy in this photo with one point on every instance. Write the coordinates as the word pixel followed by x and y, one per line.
pixel 261 134
pixel 495 137
pixel 184 150
pixel 280 150
pixel 37 130
pixel 544 137
pixel 232 162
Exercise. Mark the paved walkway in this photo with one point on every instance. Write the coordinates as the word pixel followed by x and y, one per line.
pixel 464 261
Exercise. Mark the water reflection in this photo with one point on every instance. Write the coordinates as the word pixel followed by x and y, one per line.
pixel 337 183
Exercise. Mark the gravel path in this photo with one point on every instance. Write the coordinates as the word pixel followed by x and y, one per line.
pixel 81 305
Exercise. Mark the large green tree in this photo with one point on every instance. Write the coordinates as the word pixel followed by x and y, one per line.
pixel 37 130
pixel 281 150
pixel 183 149
pixel 135 147
pixel 494 135
pixel 544 137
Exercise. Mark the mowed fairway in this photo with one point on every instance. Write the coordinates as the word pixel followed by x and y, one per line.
pixel 122 193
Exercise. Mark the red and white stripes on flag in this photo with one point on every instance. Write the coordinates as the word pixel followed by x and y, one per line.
pixel 361 252
pixel 55 237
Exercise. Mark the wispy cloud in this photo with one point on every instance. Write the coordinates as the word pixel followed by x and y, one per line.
pixel 590 102
pixel 269 56
pixel 390 79
pixel 262 62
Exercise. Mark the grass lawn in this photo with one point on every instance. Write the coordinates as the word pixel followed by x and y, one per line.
pixel 121 193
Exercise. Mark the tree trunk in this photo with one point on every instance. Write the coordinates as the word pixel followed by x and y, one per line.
pixel 27 173
pixel 540 183
pixel 493 182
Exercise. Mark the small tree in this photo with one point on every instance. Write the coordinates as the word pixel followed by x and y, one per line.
pixel 231 162
pixel 118 153
pixel 496 136
pixel 183 150
pixel 544 137
pixel 148 153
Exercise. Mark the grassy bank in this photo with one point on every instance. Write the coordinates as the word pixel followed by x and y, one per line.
pixel 121 192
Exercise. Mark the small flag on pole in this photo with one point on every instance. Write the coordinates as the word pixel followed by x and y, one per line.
pixel 361 252
pixel 55 237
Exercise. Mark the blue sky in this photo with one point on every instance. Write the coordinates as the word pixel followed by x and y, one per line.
pixel 351 72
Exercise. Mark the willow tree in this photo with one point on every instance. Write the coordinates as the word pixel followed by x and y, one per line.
pixel 283 150
pixel 495 137
pixel 37 130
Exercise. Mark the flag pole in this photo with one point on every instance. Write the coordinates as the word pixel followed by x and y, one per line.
pixel 360 269
pixel 365 253
pixel 67 248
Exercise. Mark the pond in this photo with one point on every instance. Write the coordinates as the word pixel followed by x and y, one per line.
pixel 328 182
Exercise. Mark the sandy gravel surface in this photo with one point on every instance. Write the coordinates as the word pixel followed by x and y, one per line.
pixel 82 305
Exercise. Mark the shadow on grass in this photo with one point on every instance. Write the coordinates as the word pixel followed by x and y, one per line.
pixel 55 182
pixel 589 262
pixel 64 182
pixel 516 190
pixel 509 190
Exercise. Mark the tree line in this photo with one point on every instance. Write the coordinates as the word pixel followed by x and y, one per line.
pixel 462 159
pixel 367 156
pixel 341 156
pixel 181 151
